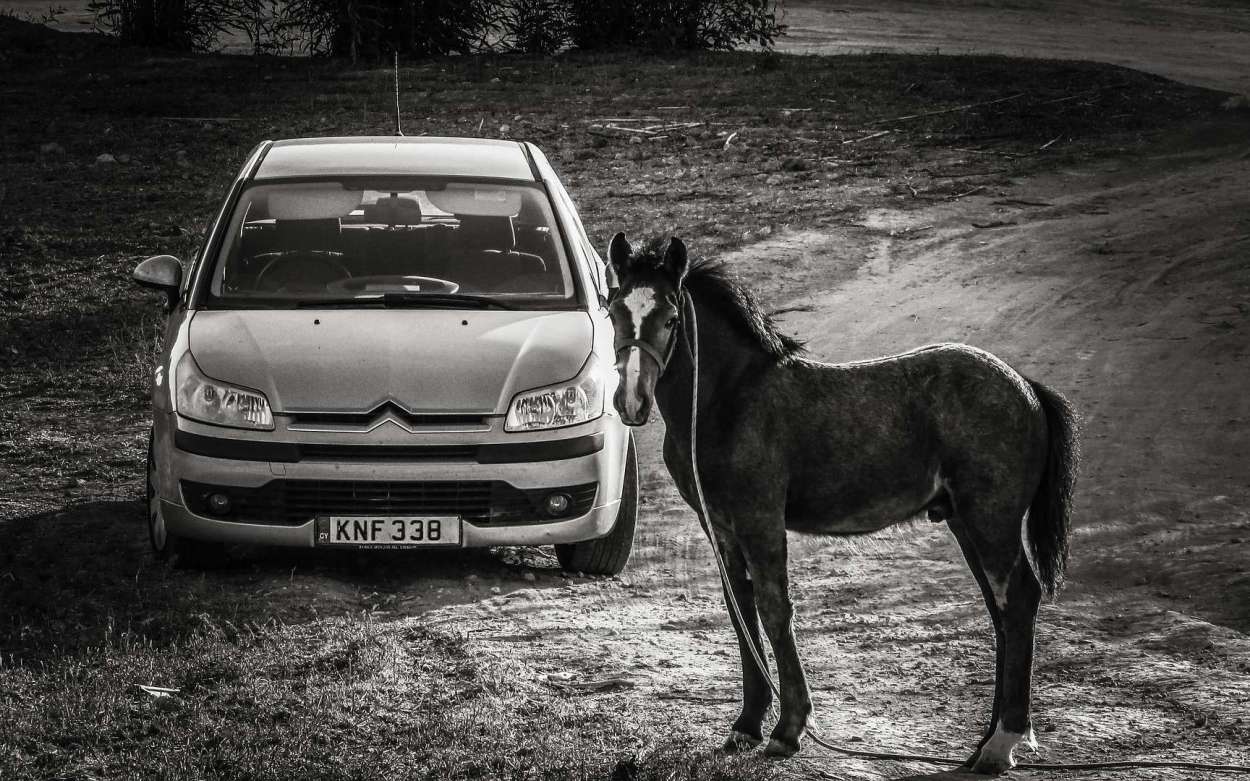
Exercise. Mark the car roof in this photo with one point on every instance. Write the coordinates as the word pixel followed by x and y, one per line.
pixel 396 155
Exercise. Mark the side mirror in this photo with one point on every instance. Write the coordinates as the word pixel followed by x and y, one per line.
pixel 162 272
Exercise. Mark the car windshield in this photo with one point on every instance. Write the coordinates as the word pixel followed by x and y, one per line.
pixel 398 242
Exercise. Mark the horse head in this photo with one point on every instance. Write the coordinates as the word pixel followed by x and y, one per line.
pixel 645 311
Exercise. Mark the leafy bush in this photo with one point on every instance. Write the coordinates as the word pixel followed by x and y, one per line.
pixel 437 27
pixel 317 27
pixel 672 24
pixel 535 26
pixel 183 25
pixel 610 24
pixel 373 29
pixel 724 24
pixel 270 27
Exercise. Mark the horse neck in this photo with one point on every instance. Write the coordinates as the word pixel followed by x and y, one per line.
pixel 726 357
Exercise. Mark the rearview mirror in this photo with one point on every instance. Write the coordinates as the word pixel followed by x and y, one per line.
pixel 162 272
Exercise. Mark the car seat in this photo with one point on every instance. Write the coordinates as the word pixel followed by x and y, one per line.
pixel 489 259
pixel 320 235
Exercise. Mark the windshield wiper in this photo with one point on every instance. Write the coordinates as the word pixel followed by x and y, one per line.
pixel 318 303
pixel 411 300
pixel 444 301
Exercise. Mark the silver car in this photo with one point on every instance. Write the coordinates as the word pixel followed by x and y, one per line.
pixel 390 343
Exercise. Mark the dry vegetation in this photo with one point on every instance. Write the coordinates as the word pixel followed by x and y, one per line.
pixel 282 692
pixel 340 698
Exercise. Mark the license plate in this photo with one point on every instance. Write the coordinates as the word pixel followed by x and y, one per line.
pixel 388 531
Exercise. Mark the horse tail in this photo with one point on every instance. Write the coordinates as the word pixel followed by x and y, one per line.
pixel 1050 512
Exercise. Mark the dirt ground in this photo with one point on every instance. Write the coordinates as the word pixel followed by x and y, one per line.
pixel 1122 283
pixel 1125 285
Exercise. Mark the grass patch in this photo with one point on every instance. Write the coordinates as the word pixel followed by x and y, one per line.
pixel 344 698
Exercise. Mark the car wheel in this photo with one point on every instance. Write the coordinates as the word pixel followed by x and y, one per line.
pixel 167 546
pixel 608 555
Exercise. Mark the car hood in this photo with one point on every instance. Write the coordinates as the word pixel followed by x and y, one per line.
pixel 423 360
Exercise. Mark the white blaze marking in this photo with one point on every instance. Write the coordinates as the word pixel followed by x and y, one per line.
pixel 640 302
pixel 1003 742
pixel 633 369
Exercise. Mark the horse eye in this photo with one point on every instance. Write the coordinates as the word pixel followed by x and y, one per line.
pixel 672 321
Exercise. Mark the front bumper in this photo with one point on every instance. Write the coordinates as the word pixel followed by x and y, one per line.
pixel 603 468
pixel 594 524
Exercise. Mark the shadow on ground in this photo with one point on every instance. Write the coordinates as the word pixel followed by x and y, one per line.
pixel 82 577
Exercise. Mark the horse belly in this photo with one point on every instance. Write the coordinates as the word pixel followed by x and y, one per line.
pixel 814 513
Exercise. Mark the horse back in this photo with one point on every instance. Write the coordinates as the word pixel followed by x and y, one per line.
pixel 860 446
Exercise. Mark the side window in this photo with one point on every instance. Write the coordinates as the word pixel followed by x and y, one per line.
pixel 588 249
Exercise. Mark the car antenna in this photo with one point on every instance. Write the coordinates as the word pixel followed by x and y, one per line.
pixel 399 131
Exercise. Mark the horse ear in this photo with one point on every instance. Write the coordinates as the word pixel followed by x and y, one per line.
pixel 619 253
pixel 675 260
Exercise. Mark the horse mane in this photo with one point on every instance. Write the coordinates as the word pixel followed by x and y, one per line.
pixel 710 282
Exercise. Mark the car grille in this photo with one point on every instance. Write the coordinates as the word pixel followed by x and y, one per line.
pixel 293 452
pixel 442 453
pixel 313 420
pixel 295 502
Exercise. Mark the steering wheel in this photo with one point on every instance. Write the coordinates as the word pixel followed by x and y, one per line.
pixel 394 283
pixel 322 260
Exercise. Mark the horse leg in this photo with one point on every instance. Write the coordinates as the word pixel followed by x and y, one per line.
pixel 765 552
pixel 1013 595
pixel 1022 595
pixel 991 606
pixel 747 730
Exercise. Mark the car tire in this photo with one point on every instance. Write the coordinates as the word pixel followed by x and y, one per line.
pixel 609 555
pixel 167 546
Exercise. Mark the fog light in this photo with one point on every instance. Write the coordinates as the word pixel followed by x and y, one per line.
pixel 557 504
pixel 218 504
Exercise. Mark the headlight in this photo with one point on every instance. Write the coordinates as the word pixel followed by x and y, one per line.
pixel 567 404
pixel 210 401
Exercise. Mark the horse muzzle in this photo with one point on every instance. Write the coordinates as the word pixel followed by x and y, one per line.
pixel 636 393
pixel 633 413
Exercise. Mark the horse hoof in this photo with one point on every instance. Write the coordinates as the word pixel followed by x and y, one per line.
pixel 988 762
pixel 988 765
pixel 996 755
pixel 780 749
pixel 738 742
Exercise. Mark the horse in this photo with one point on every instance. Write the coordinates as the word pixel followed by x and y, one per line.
pixel 785 442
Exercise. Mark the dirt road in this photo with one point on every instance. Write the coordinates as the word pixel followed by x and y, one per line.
pixel 1125 286
pixel 1203 42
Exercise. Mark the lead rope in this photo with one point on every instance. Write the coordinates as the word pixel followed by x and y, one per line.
pixel 692 344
